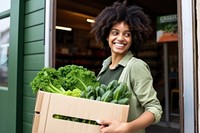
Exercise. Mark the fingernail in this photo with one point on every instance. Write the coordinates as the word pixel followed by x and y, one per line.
pixel 98 121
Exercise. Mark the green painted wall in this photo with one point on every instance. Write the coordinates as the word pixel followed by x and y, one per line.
pixel 33 56
pixel 26 58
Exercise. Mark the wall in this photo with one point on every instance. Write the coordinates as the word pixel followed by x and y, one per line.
pixel 33 55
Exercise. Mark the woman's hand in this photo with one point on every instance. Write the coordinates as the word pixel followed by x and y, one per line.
pixel 113 127
pixel 143 121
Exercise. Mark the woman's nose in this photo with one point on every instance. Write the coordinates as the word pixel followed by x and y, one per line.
pixel 120 37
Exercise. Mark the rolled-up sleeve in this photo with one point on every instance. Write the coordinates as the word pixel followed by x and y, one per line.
pixel 142 86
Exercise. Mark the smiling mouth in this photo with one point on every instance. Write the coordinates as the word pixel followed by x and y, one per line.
pixel 119 44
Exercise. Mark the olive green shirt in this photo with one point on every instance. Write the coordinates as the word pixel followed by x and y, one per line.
pixel 111 74
pixel 137 75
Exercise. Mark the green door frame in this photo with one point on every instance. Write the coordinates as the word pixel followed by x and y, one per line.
pixel 13 96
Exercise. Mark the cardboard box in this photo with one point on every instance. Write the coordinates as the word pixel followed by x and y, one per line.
pixel 48 104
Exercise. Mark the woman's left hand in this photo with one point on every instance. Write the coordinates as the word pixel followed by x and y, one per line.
pixel 113 126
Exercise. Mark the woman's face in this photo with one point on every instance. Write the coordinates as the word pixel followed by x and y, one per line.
pixel 119 38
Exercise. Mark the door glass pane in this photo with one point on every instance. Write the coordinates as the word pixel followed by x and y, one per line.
pixel 4 47
pixel 4 5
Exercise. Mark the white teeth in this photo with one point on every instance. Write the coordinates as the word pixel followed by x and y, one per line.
pixel 119 44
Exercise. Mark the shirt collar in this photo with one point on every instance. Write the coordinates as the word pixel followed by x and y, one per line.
pixel 126 58
pixel 122 62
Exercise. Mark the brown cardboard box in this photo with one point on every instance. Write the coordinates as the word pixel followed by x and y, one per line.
pixel 48 104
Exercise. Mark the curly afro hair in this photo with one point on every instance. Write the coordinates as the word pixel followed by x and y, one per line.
pixel 139 23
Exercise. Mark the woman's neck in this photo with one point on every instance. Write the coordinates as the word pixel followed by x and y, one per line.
pixel 115 60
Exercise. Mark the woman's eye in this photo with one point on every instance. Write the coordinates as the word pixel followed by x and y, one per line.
pixel 114 32
pixel 127 34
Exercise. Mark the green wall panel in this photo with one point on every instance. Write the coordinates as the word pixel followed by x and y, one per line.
pixel 33 62
pixel 28 117
pixel 27 91
pixel 27 127
pixel 34 47
pixel 34 5
pixel 34 18
pixel 34 30
pixel 30 104
pixel 35 33
pixel 29 75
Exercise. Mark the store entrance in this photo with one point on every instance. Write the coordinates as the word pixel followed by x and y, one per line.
pixel 77 45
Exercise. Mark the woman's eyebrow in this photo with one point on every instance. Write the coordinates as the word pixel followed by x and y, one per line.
pixel 129 30
pixel 114 29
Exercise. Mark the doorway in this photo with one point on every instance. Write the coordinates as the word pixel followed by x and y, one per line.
pixel 77 46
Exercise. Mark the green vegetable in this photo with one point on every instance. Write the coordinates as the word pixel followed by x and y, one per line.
pixel 90 92
pixel 69 80
pixel 120 91
pixel 68 93
pixel 74 93
pixel 114 101
pixel 78 77
pixel 103 86
pixel 98 98
pixel 115 92
pixel 77 81
pixel 112 85
pixel 92 97
pixel 83 94
pixel 101 91
pixel 107 97
pixel 48 80
pixel 123 101
pixel 97 91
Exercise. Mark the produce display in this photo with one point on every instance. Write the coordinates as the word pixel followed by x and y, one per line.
pixel 77 81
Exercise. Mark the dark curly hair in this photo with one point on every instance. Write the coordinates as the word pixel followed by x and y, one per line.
pixel 137 20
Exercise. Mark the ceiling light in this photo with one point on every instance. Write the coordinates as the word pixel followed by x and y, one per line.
pixel 90 20
pixel 63 28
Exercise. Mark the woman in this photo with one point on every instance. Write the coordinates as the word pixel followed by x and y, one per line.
pixel 122 28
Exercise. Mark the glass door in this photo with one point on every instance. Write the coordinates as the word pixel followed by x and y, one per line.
pixel 4 53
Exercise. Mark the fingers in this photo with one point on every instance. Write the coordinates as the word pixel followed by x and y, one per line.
pixel 103 123
pixel 99 121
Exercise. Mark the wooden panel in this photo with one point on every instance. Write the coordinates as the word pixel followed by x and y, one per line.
pixel 33 56
pixel 34 33
pixel 29 75
pixel 34 47
pixel 27 127
pixel 33 62
pixel 27 91
pixel 28 104
pixel 34 18
pixel 28 117
pixel 34 5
